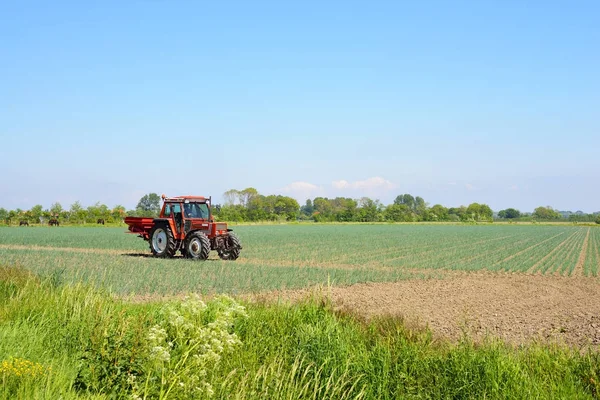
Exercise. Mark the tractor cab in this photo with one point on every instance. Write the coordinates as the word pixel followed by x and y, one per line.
pixel 188 213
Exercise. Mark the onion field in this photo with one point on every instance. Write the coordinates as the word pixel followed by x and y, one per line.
pixel 276 257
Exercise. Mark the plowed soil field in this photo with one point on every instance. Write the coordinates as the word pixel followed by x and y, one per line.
pixel 516 308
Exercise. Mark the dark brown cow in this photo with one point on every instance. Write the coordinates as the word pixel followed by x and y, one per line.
pixel 100 221
pixel 21 223
pixel 53 222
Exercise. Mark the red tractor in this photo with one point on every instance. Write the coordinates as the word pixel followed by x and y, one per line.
pixel 186 224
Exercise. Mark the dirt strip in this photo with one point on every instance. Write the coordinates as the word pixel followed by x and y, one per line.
pixel 579 270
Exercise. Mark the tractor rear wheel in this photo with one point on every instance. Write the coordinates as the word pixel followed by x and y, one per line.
pixel 162 243
pixel 197 246
pixel 233 252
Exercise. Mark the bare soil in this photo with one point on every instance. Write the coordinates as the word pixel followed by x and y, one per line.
pixel 516 308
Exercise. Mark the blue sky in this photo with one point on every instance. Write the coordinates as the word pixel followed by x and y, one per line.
pixel 458 102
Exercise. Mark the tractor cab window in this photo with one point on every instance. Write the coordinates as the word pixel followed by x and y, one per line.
pixel 167 212
pixel 196 210
pixel 176 208
pixel 202 210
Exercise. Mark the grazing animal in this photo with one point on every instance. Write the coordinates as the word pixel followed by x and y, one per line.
pixel 21 223
pixel 100 221
pixel 53 222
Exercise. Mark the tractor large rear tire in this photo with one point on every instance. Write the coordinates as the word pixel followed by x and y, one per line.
pixel 233 252
pixel 162 243
pixel 197 246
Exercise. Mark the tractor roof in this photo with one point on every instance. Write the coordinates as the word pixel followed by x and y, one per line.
pixel 183 198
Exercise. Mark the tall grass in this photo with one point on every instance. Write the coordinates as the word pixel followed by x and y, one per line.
pixel 90 344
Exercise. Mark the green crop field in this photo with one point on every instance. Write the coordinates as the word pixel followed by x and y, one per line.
pixel 296 256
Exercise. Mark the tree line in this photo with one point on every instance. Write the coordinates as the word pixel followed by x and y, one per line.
pixel 148 206
pixel 248 205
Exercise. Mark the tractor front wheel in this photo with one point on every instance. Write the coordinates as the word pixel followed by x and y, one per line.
pixel 197 246
pixel 162 243
pixel 233 249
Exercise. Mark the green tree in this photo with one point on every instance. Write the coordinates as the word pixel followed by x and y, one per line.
pixel 3 215
pixel 398 213
pixel 76 213
pixel 308 208
pixel 12 214
pixel 92 213
pixel 56 209
pixel 35 214
pixel 231 213
pixel 420 205
pixel 261 208
pixel 368 210
pixel 246 196
pixel 117 213
pixel 287 207
pixel 439 213
pixel 547 213
pixel 46 214
pixel 103 211
pixel 324 208
pixel 97 211
pixel 509 213
pixel 406 199
pixel 457 213
pixel 148 206
pixel 485 213
pixel 231 197
pixel 598 219
pixel 479 212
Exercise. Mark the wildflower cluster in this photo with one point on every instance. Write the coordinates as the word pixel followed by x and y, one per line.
pixel 189 343
pixel 20 367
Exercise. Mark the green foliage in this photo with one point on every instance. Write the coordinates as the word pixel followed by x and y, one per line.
pixel 111 348
pixel 546 213
pixel 74 342
pixel 406 199
pixel 308 208
pixel 478 212
pixel 509 213
pixel 187 345
pixel 56 210
pixel 399 213
pixel 35 214
pixel 249 205
pixel 148 206
pixel 113 354
pixel 19 372
pixel 438 213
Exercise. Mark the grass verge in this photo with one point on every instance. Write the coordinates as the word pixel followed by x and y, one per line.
pixel 75 341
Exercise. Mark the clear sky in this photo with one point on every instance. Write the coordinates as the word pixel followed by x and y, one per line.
pixel 495 102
